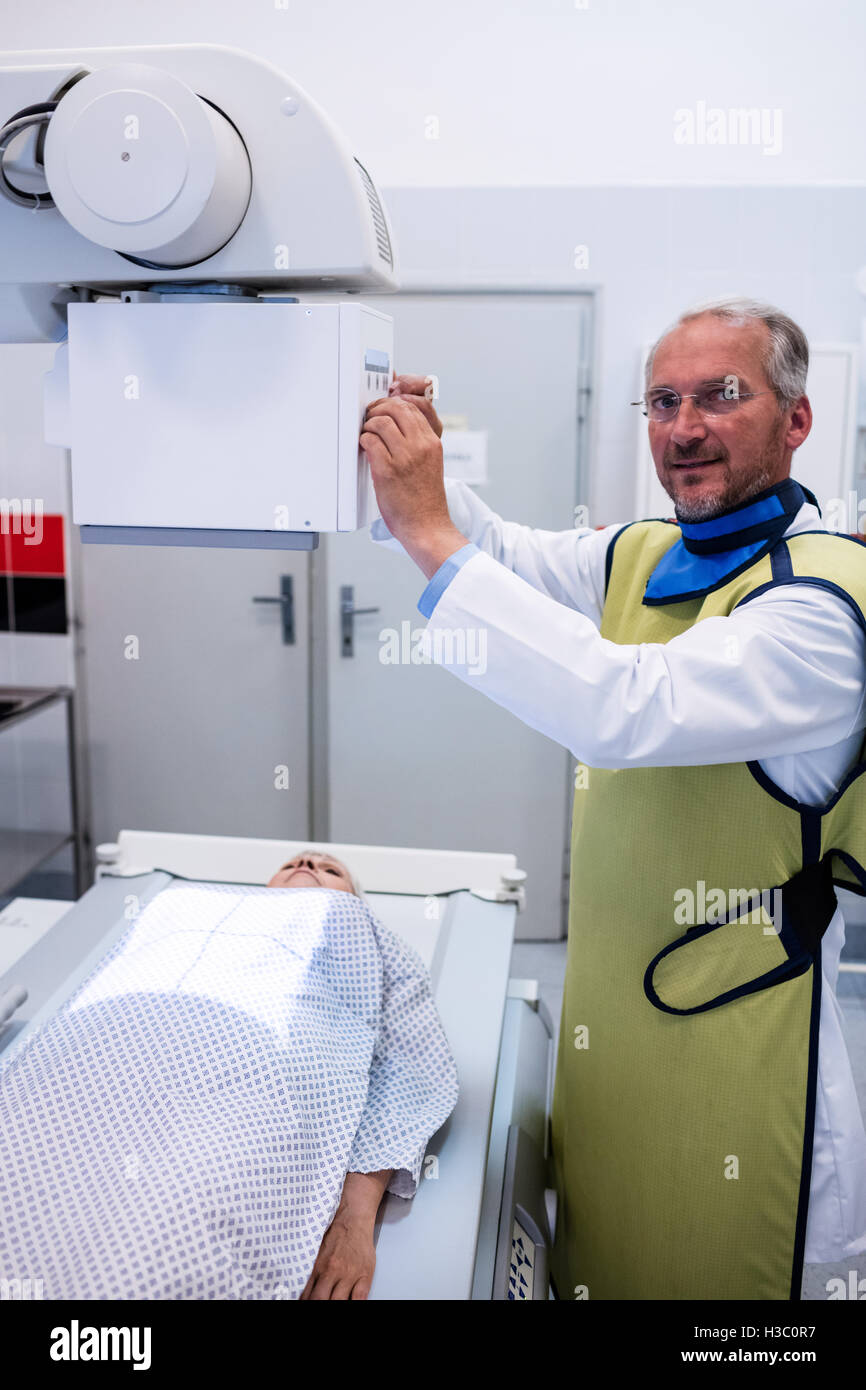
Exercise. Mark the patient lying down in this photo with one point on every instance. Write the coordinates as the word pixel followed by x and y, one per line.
pixel 217 1109
pixel 347 1257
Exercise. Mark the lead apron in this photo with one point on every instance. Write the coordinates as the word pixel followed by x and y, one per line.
pixel 683 1109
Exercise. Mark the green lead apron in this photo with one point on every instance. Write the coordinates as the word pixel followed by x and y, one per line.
pixel 684 1101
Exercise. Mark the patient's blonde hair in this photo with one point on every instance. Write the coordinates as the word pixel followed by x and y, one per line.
pixel 356 886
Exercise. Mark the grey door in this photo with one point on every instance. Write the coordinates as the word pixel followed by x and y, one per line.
pixel 197 711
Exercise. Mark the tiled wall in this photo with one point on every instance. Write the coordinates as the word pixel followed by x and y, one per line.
pixel 33 574
pixel 35 632
pixel 36 642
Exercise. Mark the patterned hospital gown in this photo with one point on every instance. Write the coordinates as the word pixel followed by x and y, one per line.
pixel 182 1126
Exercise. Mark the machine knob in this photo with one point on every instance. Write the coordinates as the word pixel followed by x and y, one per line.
pixel 139 163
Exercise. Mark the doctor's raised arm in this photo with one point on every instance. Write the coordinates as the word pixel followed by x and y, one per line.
pixel 566 565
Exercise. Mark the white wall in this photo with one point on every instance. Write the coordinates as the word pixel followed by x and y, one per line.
pixel 531 91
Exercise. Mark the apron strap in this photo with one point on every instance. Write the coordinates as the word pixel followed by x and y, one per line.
pixel 734 956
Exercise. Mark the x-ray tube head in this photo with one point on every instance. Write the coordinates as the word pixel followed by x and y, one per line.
pixel 138 163
pixel 162 210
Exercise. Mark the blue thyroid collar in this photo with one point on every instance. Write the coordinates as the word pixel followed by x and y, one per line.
pixel 710 553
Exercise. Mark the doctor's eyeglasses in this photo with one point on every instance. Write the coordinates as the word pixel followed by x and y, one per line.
pixel 715 398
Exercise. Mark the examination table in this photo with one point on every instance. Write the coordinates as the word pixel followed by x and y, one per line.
pixel 479 1226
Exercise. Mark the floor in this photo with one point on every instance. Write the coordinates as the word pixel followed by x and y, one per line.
pixel 544 961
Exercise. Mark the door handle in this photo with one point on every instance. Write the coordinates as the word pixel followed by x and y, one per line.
pixel 286 599
pixel 347 619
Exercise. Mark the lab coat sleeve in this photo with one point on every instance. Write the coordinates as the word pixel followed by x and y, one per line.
pixel 413 1078
pixel 568 566
pixel 783 674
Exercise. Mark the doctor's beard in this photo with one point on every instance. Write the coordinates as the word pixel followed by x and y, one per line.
pixel 722 499
pixel 732 492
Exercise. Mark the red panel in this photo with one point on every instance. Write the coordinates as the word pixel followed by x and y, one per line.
pixel 22 556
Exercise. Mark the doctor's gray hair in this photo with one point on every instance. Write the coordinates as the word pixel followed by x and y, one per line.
pixel 786 360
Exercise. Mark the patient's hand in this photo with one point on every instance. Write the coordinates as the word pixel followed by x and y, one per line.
pixel 345 1262
pixel 347 1256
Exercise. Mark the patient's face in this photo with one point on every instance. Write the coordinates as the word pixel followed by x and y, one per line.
pixel 313 870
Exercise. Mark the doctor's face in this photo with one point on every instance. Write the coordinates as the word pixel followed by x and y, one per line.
pixel 707 464
pixel 312 870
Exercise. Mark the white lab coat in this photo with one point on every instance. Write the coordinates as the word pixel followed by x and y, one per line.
pixel 538 595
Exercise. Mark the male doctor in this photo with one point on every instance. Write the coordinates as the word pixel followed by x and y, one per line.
pixel 708 674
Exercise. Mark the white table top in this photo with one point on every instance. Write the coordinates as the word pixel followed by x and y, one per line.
pixel 23 922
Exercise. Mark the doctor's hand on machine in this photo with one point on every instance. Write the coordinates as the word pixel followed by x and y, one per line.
pixel 401 438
